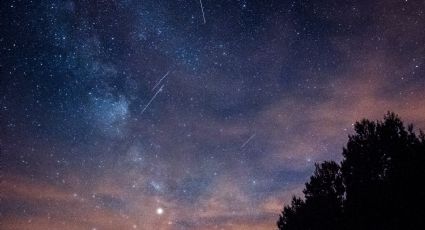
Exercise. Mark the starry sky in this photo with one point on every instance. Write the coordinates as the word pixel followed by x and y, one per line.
pixel 187 114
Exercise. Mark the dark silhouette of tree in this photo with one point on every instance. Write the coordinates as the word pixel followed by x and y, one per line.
pixel 322 208
pixel 378 186
pixel 293 217
pixel 324 194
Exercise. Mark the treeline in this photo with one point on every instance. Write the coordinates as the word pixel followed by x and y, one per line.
pixel 378 185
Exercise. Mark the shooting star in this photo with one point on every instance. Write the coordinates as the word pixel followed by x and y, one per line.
pixel 247 141
pixel 203 14
pixel 160 80
pixel 147 105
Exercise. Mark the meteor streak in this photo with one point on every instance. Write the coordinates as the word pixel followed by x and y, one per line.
pixel 247 141
pixel 147 105
pixel 160 80
pixel 203 14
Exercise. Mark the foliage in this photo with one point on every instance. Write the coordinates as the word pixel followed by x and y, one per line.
pixel 376 186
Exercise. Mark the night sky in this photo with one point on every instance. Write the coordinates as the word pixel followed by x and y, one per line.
pixel 169 114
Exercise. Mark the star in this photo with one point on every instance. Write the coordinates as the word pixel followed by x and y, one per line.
pixel 159 211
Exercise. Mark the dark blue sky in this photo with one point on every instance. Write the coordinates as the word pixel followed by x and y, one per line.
pixel 92 125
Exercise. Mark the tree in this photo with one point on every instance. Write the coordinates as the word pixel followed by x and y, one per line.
pixel 378 185
pixel 322 208
pixel 292 217
pixel 382 165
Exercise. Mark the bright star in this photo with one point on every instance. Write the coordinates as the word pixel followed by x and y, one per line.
pixel 159 211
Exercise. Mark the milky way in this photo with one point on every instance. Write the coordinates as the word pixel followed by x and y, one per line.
pixel 188 114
